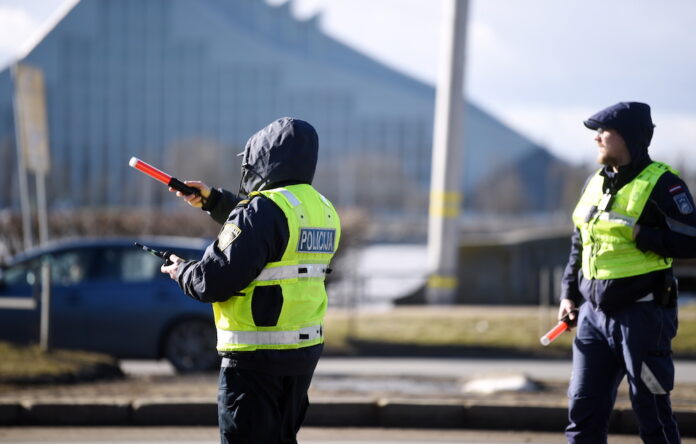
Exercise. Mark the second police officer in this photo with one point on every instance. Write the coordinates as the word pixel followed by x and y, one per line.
pixel 634 216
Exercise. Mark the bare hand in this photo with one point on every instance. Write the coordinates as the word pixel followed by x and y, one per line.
pixel 173 268
pixel 567 307
pixel 193 199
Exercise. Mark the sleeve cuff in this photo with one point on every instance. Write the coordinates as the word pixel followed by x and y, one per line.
pixel 212 200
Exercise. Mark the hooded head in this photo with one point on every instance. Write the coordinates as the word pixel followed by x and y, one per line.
pixel 285 151
pixel 630 119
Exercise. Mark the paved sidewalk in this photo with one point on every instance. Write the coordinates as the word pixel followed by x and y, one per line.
pixel 343 394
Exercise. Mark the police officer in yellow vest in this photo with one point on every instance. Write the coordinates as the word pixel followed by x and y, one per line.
pixel 264 276
pixel 634 216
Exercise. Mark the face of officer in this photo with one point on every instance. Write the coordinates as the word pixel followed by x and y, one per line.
pixel 613 151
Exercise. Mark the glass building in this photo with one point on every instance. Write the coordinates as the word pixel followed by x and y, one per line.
pixel 182 84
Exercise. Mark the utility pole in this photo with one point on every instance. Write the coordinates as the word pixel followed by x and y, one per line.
pixel 445 188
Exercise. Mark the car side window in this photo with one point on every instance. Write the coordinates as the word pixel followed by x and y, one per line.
pixel 128 265
pixel 137 266
pixel 70 267
pixel 24 273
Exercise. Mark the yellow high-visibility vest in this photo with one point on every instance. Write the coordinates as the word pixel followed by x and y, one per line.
pixel 608 248
pixel 295 282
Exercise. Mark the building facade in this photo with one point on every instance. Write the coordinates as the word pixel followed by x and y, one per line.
pixel 182 84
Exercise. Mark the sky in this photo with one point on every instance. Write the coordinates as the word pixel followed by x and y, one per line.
pixel 540 66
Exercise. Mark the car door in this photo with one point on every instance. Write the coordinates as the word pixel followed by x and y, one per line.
pixel 72 274
pixel 132 300
pixel 20 282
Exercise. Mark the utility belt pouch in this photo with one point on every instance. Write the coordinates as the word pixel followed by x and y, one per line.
pixel 668 293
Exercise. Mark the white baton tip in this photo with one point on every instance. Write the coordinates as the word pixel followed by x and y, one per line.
pixel 544 341
pixel 133 161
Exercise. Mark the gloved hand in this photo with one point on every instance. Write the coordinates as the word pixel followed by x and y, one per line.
pixel 568 313
pixel 193 199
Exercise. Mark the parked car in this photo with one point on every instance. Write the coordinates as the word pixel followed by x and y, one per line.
pixel 109 296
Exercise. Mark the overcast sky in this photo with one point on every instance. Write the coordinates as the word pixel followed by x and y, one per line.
pixel 541 66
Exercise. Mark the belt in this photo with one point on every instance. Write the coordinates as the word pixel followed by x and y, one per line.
pixel 647 298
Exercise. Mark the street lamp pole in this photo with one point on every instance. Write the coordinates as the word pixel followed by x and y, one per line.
pixel 445 188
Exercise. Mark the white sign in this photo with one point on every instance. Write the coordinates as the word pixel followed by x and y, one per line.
pixel 30 112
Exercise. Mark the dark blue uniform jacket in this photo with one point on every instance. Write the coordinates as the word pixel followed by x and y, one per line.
pixel 283 153
pixel 667 227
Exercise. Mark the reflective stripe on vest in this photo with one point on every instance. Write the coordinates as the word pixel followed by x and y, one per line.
pixel 292 272
pixel 289 196
pixel 608 248
pixel 293 337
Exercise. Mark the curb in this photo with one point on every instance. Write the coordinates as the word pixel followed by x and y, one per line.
pixel 323 413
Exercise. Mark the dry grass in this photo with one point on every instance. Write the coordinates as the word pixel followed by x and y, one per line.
pixel 478 327
pixel 29 363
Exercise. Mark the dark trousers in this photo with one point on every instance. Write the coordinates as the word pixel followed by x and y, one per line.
pixel 260 408
pixel 635 342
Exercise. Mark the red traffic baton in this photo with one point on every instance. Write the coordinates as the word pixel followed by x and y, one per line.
pixel 165 178
pixel 563 325
pixel 555 332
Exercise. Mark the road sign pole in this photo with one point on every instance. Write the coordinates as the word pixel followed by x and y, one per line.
pixel 45 306
pixel 41 207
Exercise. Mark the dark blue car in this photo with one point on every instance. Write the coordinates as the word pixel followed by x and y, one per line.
pixel 109 296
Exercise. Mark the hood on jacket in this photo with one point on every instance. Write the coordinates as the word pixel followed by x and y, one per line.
pixel 632 120
pixel 285 151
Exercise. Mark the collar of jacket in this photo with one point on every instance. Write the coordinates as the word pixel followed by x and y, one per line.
pixel 614 181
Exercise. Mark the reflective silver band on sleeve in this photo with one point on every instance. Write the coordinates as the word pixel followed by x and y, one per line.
pixel 679 227
pixel 269 337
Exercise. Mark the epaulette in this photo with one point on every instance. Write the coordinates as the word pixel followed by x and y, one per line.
pixel 245 202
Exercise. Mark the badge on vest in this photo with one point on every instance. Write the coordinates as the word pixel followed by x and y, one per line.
pixel 316 240
pixel 227 235
pixel 683 203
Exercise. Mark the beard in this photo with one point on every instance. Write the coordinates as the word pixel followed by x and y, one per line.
pixel 606 159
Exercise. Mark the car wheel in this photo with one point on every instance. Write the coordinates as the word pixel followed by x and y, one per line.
pixel 190 346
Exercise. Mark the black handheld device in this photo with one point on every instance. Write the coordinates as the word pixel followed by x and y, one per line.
pixel 159 253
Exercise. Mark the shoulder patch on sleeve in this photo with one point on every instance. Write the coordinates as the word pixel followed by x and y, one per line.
pixel 227 235
pixel 683 203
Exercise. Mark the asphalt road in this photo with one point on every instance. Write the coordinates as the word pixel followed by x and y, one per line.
pixel 308 435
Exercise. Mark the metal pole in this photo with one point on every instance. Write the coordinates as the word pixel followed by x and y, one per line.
pixel 544 299
pixel 45 306
pixel 445 194
pixel 24 203
pixel 41 206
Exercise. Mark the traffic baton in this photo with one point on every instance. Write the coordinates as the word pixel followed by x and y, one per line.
pixel 556 331
pixel 165 178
